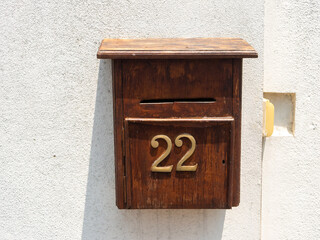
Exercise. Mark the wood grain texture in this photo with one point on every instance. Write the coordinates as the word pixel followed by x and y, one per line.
pixel 237 97
pixel 207 187
pixel 118 133
pixel 177 79
pixel 165 96
pixel 178 48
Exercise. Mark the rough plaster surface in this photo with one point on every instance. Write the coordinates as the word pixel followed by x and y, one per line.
pixel 291 179
pixel 56 136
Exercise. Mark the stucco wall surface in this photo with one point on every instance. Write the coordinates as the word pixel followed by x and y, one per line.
pixel 56 136
pixel 291 179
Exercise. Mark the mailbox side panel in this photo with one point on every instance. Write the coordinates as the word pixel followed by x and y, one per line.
pixel 237 92
pixel 118 121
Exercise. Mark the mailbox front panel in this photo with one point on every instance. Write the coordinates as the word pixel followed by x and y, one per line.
pixel 166 98
pixel 195 166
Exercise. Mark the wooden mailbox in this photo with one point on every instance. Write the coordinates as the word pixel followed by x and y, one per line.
pixel 177 121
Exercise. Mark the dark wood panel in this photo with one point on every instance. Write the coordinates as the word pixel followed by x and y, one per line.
pixel 164 91
pixel 177 79
pixel 175 48
pixel 237 96
pixel 207 187
pixel 118 123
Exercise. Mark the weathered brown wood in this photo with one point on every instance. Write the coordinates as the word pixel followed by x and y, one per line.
pixel 178 48
pixel 207 187
pixel 118 136
pixel 177 79
pixel 186 121
pixel 189 80
pixel 237 96
pixel 230 168
pixel 170 97
pixel 147 85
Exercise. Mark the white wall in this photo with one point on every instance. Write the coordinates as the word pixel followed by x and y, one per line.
pixel 291 179
pixel 56 136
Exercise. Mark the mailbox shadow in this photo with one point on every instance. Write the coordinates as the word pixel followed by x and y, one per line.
pixel 102 219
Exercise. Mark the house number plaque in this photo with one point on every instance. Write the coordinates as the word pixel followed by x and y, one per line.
pixel 178 142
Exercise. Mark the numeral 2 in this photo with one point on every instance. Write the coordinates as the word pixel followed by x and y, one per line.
pixel 155 144
pixel 178 143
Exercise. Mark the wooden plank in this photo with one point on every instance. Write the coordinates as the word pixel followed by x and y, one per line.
pixel 231 165
pixel 207 187
pixel 176 48
pixel 158 121
pixel 177 79
pixel 118 133
pixel 237 92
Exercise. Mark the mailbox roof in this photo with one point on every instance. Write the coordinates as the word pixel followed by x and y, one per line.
pixel 175 48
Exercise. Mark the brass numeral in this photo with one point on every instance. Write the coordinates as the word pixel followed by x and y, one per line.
pixel 178 143
pixel 155 144
pixel 188 154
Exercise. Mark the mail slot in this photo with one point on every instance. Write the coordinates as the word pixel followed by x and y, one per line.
pixel 177 121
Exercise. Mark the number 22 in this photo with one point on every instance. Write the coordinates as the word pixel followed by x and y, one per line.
pixel 178 143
